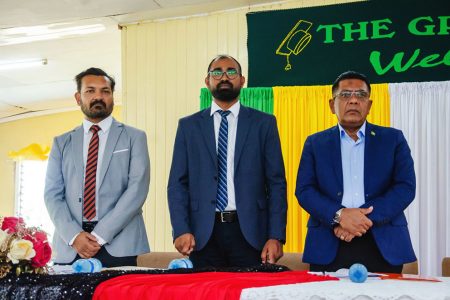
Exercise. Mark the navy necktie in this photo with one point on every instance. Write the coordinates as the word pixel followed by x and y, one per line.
pixel 222 149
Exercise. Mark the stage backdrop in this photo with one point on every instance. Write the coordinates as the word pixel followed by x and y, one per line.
pixel 389 41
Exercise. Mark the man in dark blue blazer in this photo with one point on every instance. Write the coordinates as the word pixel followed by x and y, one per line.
pixel 355 180
pixel 227 186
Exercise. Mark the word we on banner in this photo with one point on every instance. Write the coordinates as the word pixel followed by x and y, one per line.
pixel 389 41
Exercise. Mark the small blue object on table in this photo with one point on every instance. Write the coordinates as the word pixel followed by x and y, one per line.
pixel 180 263
pixel 90 265
pixel 358 273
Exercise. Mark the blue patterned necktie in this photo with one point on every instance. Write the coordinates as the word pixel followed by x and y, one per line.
pixel 222 149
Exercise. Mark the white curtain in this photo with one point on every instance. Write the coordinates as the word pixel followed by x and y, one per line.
pixel 422 112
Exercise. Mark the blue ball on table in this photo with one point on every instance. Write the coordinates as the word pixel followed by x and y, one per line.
pixel 358 273
pixel 180 263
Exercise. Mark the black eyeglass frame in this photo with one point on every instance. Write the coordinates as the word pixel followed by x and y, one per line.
pixel 218 74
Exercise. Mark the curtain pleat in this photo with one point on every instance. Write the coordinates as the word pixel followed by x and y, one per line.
pixel 422 111
pixel 380 111
pixel 257 98
pixel 205 98
pixel 300 111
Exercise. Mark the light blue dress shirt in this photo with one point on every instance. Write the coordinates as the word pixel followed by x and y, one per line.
pixel 352 154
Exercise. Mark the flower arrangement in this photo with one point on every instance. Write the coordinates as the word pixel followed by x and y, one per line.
pixel 22 249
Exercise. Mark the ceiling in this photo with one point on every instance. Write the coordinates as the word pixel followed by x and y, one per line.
pixel 50 88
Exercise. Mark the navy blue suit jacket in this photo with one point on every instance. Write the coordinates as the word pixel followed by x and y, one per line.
pixel 259 178
pixel 389 186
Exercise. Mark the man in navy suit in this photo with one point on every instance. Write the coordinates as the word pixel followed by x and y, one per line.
pixel 227 186
pixel 355 180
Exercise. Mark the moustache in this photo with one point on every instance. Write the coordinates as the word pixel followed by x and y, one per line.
pixel 98 102
pixel 224 83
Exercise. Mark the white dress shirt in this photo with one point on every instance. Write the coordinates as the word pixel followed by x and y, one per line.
pixel 232 129
pixel 105 125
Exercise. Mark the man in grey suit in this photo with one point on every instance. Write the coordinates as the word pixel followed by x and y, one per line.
pixel 97 180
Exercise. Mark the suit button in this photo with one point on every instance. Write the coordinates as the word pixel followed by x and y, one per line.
pixel 215 178
pixel 213 202
pixel 339 194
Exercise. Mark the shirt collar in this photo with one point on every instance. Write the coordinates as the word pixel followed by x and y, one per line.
pixel 361 132
pixel 234 108
pixel 104 124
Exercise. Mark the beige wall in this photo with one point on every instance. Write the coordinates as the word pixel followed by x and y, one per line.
pixel 16 135
pixel 164 66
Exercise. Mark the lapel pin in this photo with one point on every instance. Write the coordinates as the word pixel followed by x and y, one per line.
pixel 372 133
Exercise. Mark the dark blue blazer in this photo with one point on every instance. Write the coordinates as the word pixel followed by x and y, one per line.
pixel 259 178
pixel 389 186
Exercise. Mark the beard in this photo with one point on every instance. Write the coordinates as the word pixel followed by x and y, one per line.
pixel 97 109
pixel 225 95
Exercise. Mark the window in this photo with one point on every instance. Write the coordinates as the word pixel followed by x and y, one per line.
pixel 30 178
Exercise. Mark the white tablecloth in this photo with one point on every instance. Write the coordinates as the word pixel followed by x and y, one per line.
pixel 373 289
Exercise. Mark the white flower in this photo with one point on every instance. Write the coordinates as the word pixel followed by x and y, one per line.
pixel 3 240
pixel 21 249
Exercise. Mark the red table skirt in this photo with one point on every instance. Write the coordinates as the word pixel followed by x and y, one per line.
pixel 207 285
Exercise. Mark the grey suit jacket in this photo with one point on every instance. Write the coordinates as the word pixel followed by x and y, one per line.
pixel 123 187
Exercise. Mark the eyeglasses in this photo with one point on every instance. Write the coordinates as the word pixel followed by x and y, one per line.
pixel 217 74
pixel 347 95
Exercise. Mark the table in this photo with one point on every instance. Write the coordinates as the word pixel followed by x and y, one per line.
pixel 344 289
pixel 196 286
pixel 83 286
pixel 214 284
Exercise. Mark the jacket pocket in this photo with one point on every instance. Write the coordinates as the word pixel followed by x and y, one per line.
pixel 121 150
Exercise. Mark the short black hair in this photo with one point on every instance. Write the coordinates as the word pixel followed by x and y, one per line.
pixel 349 75
pixel 95 72
pixel 225 56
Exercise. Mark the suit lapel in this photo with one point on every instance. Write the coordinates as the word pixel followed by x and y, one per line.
pixel 335 152
pixel 77 150
pixel 113 136
pixel 369 153
pixel 207 125
pixel 243 127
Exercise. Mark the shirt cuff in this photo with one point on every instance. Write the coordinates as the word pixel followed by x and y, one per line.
pixel 73 239
pixel 100 240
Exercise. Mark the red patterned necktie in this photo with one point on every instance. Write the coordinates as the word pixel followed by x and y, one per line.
pixel 91 175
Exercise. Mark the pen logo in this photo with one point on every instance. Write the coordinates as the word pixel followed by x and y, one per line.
pixel 295 41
